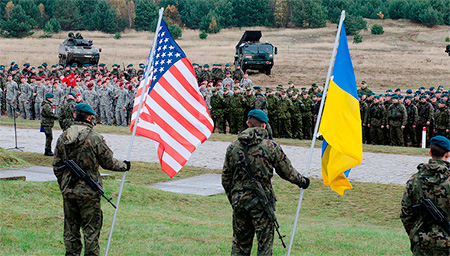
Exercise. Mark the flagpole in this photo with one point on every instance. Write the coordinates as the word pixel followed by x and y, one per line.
pixel 134 130
pixel 325 90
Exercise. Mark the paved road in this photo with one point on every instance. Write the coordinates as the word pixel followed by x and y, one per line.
pixel 376 167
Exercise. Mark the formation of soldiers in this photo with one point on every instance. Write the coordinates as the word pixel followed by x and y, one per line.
pixel 111 93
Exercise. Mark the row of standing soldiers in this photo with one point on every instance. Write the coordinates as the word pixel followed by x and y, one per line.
pixel 291 112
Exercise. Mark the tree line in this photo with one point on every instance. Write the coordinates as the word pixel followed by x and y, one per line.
pixel 19 17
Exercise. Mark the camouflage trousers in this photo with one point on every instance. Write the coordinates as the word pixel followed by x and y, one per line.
pixel 427 251
pixel 25 110
pixel 396 134
pixel 308 126
pixel 376 135
pixel 37 110
pixel 219 120
pixel 11 108
pixel 296 122
pixel 121 116
pixel 409 133
pixel 105 114
pixel 442 132
pixel 85 214
pixel 236 116
pixel 284 128
pixel 245 224
pixel 48 138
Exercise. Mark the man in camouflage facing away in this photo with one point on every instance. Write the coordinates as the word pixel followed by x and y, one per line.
pixel 81 203
pixel 428 238
pixel 48 118
pixel 67 111
pixel 249 216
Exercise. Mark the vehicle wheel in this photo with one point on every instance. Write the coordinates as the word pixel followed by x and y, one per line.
pixel 268 71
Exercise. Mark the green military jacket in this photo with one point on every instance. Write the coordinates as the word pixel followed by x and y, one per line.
pixel 66 114
pixel 442 118
pixel 435 179
pixel 48 117
pixel 375 115
pixel 88 149
pixel 265 156
pixel 285 108
pixel 396 115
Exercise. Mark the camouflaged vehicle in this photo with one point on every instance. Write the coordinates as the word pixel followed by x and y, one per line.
pixel 252 54
pixel 75 49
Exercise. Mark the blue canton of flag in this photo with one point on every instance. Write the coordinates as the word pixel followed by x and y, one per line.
pixel 167 52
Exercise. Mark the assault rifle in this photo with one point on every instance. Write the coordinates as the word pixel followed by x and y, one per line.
pixel 433 213
pixel 261 195
pixel 80 174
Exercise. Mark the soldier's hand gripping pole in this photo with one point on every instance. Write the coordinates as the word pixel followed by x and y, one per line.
pixel 80 174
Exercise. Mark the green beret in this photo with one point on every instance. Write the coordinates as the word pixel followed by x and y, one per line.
pixel 213 90
pixel 439 141
pixel 237 88
pixel 376 97
pixel 206 66
pixel 227 65
pixel 259 114
pixel 73 94
pixel 84 107
pixel 49 95
pixel 363 82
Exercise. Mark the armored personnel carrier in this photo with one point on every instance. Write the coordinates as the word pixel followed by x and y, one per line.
pixel 252 54
pixel 75 49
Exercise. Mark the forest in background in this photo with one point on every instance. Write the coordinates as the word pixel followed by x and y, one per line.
pixel 19 17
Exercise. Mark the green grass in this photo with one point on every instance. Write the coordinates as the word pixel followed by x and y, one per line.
pixel 35 124
pixel 9 160
pixel 152 222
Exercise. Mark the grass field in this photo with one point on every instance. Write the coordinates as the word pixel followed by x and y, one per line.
pixel 152 222
pixel 407 55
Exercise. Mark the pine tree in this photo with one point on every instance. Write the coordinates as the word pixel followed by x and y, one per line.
pixel 18 23
pixel 68 14
pixel 146 16
pixel 104 18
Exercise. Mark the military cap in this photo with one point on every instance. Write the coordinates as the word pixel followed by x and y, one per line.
pixel 228 73
pixel 129 65
pixel 438 91
pixel 432 88
pixel 12 63
pixel 269 90
pixel 236 81
pixel 423 96
pixel 73 94
pixel 26 64
pixel 247 87
pixel 283 92
pixel 259 114
pixel 74 65
pixel 101 65
pixel 433 96
pixel 363 82
pixel 206 66
pixel 370 94
pixel 376 97
pixel 257 87
pixel 236 88
pixel 408 97
pixel 33 77
pixel 290 82
pixel 422 88
pixel 193 64
pixel 389 90
pixel 397 90
pixel 44 64
pixel 142 65
pixel 319 95
pixel 9 74
pixel 39 66
pixel 85 65
pixel 225 89
pixel 200 66
pixel 219 65
pixel 16 65
pixel 2 68
pixel 441 101
pixel 303 88
pixel 227 65
pixel 118 66
pixel 314 85
pixel 440 141
pixel 395 97
pixel 33 68
pixel 427 92
pixel 84 107
pixel 95 65
pixel 213 90
pixel 444 95
pixel 49 95
pixel 363 93
pixel 409 91
pixel 238 65
pixel 387 95
pixel 22 77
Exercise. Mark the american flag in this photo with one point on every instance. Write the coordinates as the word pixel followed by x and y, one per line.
pixel 174 113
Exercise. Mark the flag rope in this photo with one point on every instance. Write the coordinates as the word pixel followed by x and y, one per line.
pixel 325 90
pixel 134 130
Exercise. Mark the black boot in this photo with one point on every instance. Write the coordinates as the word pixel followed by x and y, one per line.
pixel 48 153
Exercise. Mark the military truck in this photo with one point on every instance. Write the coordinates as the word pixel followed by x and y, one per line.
pixel 252 54
pixel 75 49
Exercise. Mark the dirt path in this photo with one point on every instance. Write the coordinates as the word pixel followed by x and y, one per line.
pixel 376 167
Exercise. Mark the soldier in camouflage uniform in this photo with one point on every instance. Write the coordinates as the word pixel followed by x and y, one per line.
pixel 442 120
pixel 264 156
pixel 12 90
pixel 363 109
pixel 236 104
pixel 47 120
pixel 396 121
pixel 271 110
pixel 284 110
pixel 237 73
pixel 90 96
pixel 249 102
pixel 122 100
pixel 307 116
pixel 39 93
pixel 25 99
pixel 296 117
pixel 81 203
pixel 217 109
pixel 375 120
pixel 67 111
pixel 425 111
pixel 432 182
pixel 413 117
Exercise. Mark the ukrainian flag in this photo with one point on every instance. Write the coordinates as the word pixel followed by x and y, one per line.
pixel 340 125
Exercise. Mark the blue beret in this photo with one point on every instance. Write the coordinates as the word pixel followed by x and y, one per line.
pixel 206 66
pixel 227 65
pixel 257 87
pixel 427 92
pixel 73 94
pixel 12 63
pixel 84 107
pixel 409 91
pixel 395 97
pixel 422 88
pixel 319 95
pixel 431 88
pixel 74 64
pixel 238 65
pixel 129 65
pixel 440 141
pixel 444 95
pixel 376 97
pixel 389 90
pixel 441 101
pixel 49 95
pixel 398 89
pixel 259 114
pixel 408 97
pixel 433 96
pixel 423 96
pixel 44 64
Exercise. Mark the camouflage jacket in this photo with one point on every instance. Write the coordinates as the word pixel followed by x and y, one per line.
pixel 435 179
pixel 260 102
pixel 425 111
pixel 284 108
pixel 264 156
pixel 412 112
pixel 442 118
pixel 88 149
pixel 66 114
pixel 396 115
pixel 375 115
pixel 47 115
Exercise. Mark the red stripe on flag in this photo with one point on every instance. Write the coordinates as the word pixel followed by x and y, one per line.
pixel 171 131
pixel 177 116
pixel 178 97
pixel 164 166
pixel 188 86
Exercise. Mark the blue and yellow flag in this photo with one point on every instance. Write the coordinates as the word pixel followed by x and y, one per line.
pixel 340 125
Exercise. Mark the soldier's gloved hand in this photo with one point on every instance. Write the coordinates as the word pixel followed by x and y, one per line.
pixel 128 164
pixel 306 185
